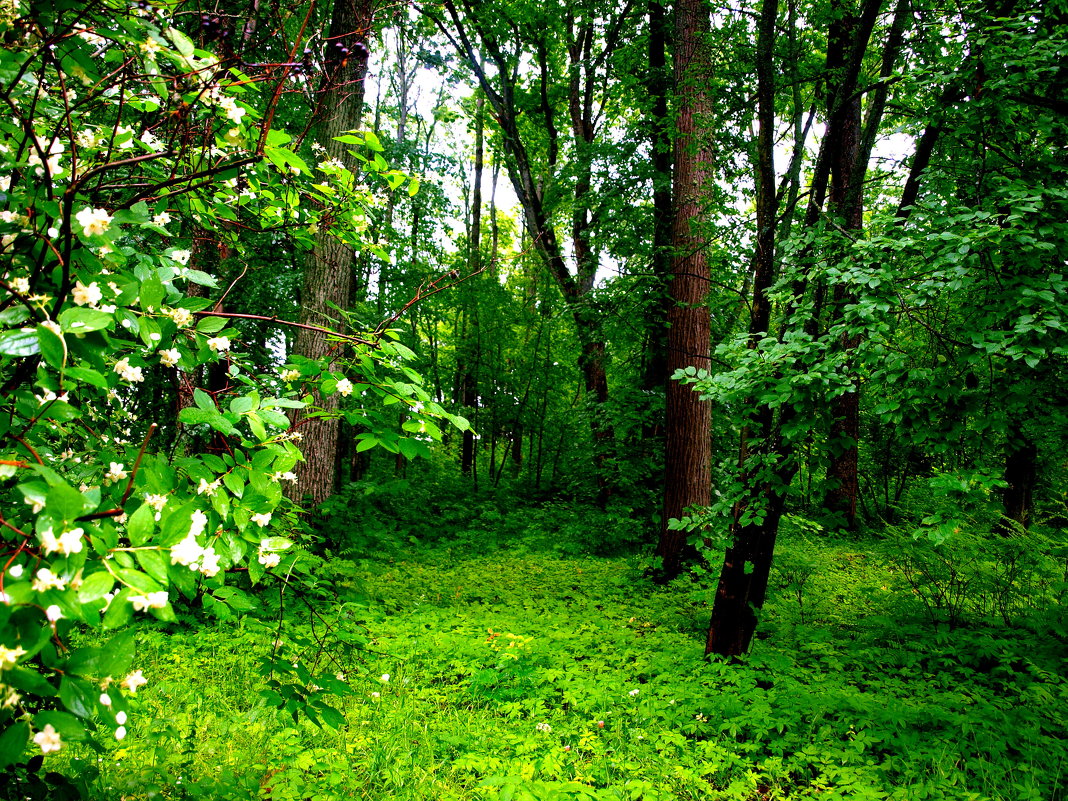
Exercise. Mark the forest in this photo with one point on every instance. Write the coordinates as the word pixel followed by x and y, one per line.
pixel 527 400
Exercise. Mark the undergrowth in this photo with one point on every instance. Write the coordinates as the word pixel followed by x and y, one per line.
pixel 522 667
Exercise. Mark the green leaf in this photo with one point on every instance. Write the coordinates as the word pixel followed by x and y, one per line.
pixel 153 563
pixel 152 292
pixel 256 426
pixel 193 416
pixel 276 419
pixel 19 343
pixel 75 695
pixel 53 347
pixel 182 43
pixel 242 404
pixel 29 681
pixel 81 321
pixel 141 524
pixel 68 726
pixel 203 400
pixel 140 582
pixel 87 376
pixel 13 743
pixel 211 325
pixel 118 654
pixel 119 610
pixel 96 586
pixel 373 141
pixel 66 502
pixel 233 482
pixel 202 278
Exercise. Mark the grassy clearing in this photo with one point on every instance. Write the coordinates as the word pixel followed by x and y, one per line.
pixel 528 674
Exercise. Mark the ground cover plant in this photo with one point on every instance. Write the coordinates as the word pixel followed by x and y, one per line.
pixel 524 672
pixel 391 396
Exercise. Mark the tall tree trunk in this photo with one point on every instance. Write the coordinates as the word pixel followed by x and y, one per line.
pixel 469 345
pixel 743 579
pixel 849 146
pixel 1021 473
pixel 328 272
pixel 847 208
pixel 688 447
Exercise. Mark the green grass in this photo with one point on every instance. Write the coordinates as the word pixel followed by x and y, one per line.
pixel 524 673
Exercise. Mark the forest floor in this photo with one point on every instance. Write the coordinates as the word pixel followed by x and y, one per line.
pixel 528 672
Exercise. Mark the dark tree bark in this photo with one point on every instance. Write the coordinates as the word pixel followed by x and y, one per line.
pixel 687 463
pixel 743 580
pixel 468 382
pixel 849 146
pixel 328 273
pixel 846 207
pixel 1021 473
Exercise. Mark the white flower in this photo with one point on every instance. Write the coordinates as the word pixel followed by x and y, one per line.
pixel 9 656
pixel 46 580
pixel 268 559
pixel 344 387
pixel 53 326
pixel 233 112
pixel 88 138
pixel 544 727
pixel 182 317
pixel 87 295
pixel 120 732
pixel 151 142
pixel 154 600
pixel 384 678
pixel 198 522
pixel 187 552
pixel 68 543
pixel 261 519
pixel 288 475
pixel 21 285
pixel 105 699
pixel 290 375
pixel 16 570
pixel 219 344
pixel 116 473
pixel 120 718
pixel 48 739
pixel 169 357
pixel 181 256
pixel 163 218
pixel 209 562
pixel 206 488
pixel 133 681
pixel 157 502
pixel 53 613
pixel 127 372
pixel 9 697
pixel 633 692
pixel 93 221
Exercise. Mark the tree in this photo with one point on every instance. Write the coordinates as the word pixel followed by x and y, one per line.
pixel 328 273
pixel 688 452
pixel 100 525
pixel 550 189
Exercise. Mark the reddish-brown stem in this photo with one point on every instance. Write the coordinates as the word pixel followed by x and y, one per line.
pixel 290 323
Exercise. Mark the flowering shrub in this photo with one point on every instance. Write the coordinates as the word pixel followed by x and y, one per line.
pixel 125 140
